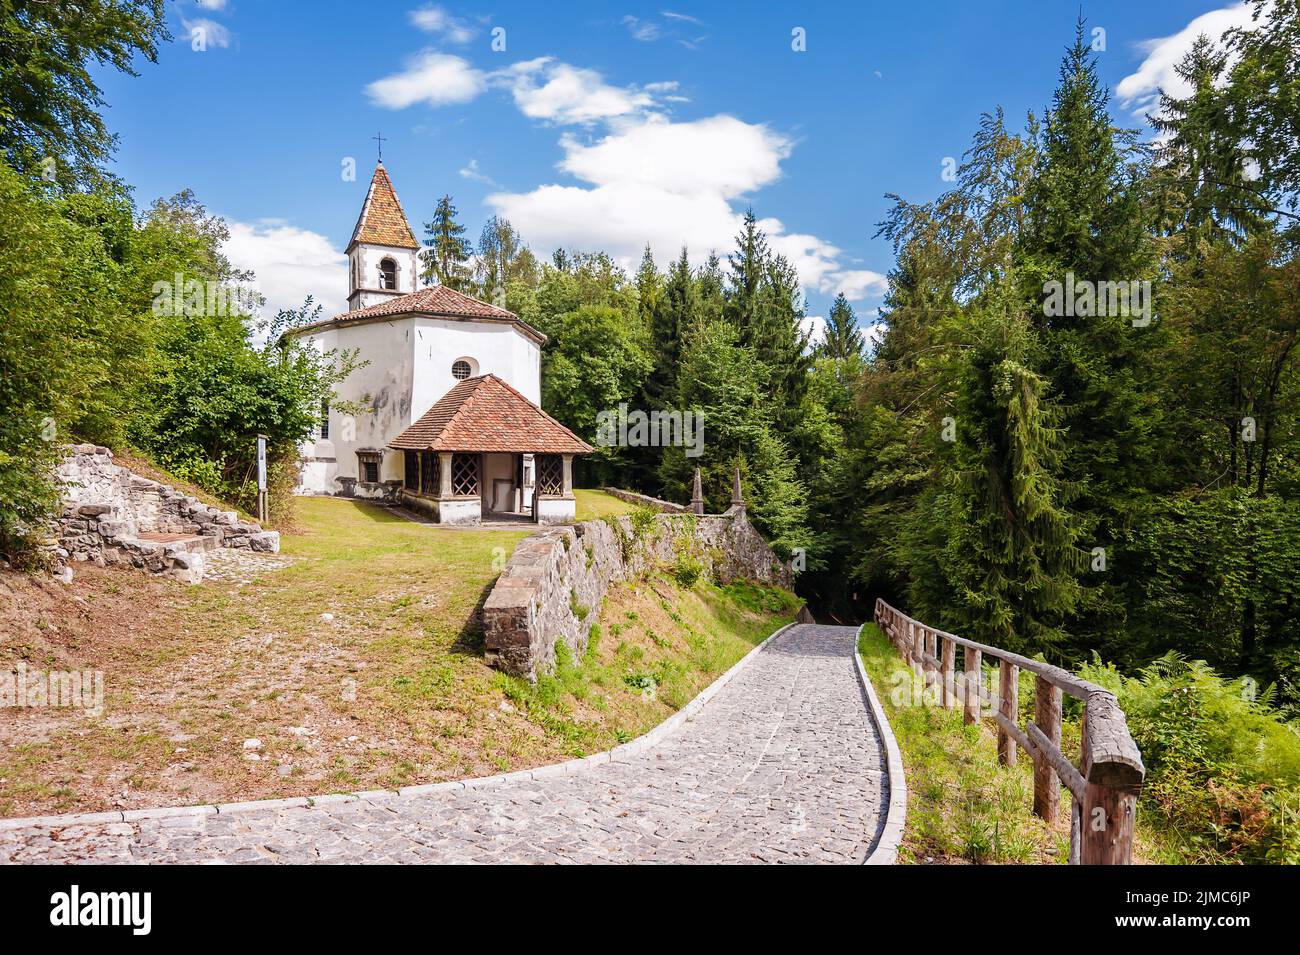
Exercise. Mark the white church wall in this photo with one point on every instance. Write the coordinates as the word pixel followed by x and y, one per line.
pixel 491 348
pixel 383 386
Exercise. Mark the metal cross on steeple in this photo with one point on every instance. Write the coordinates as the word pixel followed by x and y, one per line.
pixel 379 137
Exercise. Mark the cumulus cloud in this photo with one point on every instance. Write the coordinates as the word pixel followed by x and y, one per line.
pixel 543 88
pixel 289 264
pixel 1140 91
pixel 559 93
pixel 671 184
pixel 436 79
pixel 647 179
pixel 471 171
pixel 434 19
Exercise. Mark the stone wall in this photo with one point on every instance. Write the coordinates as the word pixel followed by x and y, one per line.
pixel 554 584
pixel 113 516
pixel 645 500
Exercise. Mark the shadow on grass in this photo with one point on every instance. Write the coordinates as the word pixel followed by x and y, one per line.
pixel 470 641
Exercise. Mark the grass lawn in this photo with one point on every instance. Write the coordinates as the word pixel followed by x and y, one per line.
pixel 593 505
pixel 357 666
pixel 963 806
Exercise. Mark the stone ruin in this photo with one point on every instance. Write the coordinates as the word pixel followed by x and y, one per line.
pixel 113 516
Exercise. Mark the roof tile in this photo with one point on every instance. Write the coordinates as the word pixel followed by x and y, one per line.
pixel 382 220
pixel 485 414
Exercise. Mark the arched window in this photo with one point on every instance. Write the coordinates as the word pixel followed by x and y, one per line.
pixel 387 274
pixel 460 369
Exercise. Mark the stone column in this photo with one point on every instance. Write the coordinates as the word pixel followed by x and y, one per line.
pixel 567 490
pixel 697 495
pixel 736 499
pixel 444 474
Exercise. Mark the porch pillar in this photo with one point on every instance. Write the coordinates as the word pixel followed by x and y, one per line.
pixel 567 490
pixel 444 474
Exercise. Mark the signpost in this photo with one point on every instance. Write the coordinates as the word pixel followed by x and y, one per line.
pixel 261 478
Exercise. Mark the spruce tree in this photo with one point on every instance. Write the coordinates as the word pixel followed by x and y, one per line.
pixel 843 337
pixel 446 250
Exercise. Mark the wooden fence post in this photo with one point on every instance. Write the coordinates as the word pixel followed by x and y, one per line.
pixel 946 674
pixel 1008 706
pixel 974 685
pixel 918 651
pixel 1047 717
pixel 1112 767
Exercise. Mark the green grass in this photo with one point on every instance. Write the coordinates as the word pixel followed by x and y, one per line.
pixel 963 806
pixel 359 665
pixel 594 505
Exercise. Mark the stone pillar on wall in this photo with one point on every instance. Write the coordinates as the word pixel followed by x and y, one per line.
pixel 697 495
pixel 737 500
pixel 568 475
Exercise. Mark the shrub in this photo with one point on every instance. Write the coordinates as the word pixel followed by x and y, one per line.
pixel 688 570
pixel 1223 770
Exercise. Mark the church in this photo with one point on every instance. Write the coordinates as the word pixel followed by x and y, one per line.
pixel 451 390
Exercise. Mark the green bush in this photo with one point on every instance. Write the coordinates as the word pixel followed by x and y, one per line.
pixel 687 570
pixel 1223 769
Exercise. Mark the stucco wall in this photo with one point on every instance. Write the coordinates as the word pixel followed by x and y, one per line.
pixel 554 584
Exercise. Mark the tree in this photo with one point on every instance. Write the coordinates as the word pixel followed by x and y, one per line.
pixel 1011 553
pixel 502 258
pixel 446 252
pixel 843 337
pixel 599 360
pixel 49 97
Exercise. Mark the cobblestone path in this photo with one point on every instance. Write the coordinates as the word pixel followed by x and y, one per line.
pixel 783 764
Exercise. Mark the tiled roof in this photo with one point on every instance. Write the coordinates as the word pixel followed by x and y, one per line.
pixel 486 414
pixel 382 220
pixel 436 300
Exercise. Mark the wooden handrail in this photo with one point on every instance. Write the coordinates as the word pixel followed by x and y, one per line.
pixel 1105 785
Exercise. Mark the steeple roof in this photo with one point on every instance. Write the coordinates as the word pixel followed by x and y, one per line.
pixel 382 220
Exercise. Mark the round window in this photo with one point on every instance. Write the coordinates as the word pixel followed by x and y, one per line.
pixel 460 370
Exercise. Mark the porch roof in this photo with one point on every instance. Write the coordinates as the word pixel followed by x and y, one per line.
pixel 485 414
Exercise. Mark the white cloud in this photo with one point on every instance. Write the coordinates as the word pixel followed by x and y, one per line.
pixel 648 179
pixel 471 171
pixel 542 88
pixel 1140 91
pixel 720 154
pixel 211 4
pixel 857 284
pixel 289 264
pixel 433 78
pixel 671 184
pixel 681 16
pixel 434 19
pixel 557 92
pixel 643 30
pixel 814 326
pixel 211 32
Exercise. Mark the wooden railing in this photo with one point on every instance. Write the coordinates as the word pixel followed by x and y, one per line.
pixel 1106 783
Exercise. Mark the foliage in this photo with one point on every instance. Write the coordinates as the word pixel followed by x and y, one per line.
pixel 49 94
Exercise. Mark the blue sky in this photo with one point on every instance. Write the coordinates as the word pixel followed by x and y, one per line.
pixel 603 126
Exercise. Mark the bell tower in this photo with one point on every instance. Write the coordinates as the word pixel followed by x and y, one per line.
pixel 383 260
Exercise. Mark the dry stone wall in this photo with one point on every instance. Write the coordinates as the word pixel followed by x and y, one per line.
pixel 113 516
pixel 554 584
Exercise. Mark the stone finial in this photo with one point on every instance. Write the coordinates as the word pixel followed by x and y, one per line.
pixel 697 495
pixel 736 499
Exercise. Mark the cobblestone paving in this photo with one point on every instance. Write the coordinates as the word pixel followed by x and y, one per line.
pixel 241 566
pixel 782 765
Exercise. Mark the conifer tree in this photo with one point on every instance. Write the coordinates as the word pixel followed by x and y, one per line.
pixel 843 337
pixel 446 250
